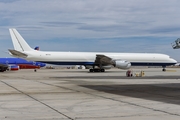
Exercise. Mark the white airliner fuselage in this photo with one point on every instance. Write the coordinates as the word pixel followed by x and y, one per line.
pixel 100 59
pixel 88 58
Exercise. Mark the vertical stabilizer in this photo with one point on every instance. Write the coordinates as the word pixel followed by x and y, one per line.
pixel 18 42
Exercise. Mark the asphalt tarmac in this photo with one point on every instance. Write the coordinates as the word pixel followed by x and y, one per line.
pixel 76 94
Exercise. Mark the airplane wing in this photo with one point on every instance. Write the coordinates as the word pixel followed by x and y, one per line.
pixel 102 59
pixel 17 53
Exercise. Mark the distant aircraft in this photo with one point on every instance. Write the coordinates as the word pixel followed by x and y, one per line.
pixel 88 59
pixel 18 63
pixel 176 44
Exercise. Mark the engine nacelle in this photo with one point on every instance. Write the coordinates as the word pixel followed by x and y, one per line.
pixel 122 64
pixel 107 67
pixel 13 67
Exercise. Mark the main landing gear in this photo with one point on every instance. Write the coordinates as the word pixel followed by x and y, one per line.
pixel 96 70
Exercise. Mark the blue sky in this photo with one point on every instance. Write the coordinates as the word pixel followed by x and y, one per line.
pixel 93 25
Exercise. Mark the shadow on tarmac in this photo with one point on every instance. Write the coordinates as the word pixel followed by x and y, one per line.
pixel 118 77
pixel 167 93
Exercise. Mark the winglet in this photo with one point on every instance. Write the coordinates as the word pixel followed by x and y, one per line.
pixel 18 42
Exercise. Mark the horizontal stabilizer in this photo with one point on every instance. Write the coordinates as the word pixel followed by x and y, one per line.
pixel 18 54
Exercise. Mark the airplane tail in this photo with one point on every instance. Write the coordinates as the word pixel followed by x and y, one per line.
pixel 18 42
pixel 36 48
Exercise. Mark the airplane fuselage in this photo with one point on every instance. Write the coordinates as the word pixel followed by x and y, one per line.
pixel 88 58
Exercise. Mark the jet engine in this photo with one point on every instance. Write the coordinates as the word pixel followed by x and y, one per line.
pixel 122 64
pixel 107 67
pixel 13 67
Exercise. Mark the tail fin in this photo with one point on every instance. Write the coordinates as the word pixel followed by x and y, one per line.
pixel 18 42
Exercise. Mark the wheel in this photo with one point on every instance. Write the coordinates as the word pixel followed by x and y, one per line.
pixel 96 70
pixel 102 70
pixel 164 69
pixel 35 70
pixel 91 70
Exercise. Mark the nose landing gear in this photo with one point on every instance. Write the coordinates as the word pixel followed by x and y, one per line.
pixel 164 68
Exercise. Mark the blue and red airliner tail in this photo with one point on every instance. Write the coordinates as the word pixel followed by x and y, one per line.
pixel 18 63
pixel 36 48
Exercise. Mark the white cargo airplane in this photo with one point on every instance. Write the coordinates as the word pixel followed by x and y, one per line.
pixel 96 61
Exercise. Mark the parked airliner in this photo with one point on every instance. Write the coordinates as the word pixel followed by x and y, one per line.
pixel 18 63
pixel 94 59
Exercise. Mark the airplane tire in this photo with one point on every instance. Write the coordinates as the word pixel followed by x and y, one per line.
pixel 96 70
pixel 102 70
pixel 91 70
pixel 163 69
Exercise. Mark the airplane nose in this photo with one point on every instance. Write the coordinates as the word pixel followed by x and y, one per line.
pixel 174 61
